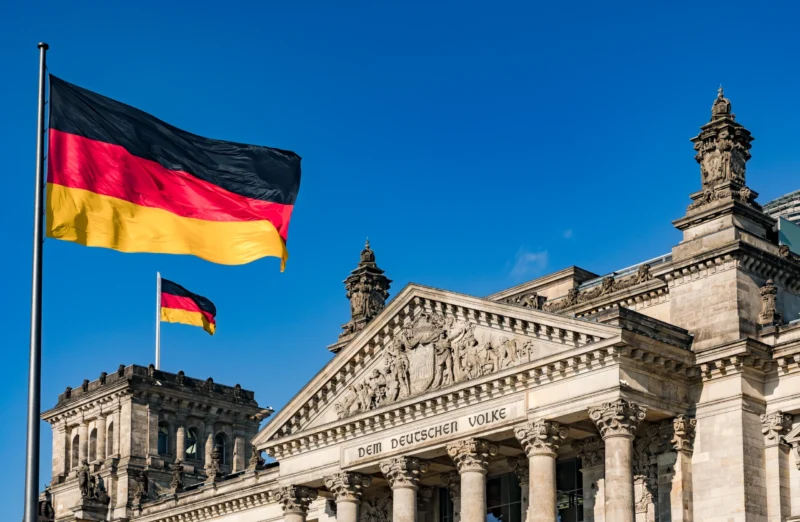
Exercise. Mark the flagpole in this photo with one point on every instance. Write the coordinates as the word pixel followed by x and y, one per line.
pixel 158 320
pixel 35 365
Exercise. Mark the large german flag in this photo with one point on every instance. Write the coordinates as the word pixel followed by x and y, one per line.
pixel 178 305
pixel 120 178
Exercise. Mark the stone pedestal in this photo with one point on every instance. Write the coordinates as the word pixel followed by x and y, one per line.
pixel 617 421
pixel 776 457
pixel 403 474
pixel 295 500
pixel 591 451
pixel 90 511
pixel 540 439
pixel 471 457
pixel 520 467
pixel 347 489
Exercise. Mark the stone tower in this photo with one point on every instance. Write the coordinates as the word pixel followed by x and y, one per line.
pixel 367 289
pixel 139 433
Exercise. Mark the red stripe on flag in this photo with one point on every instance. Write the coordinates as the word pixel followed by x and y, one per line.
pixel 109 170
pixel 184 303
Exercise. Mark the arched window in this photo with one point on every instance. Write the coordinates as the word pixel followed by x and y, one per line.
pixel 219 443
pixel 110 440
pixel 76 452
pixel 93 446
pixel 163 438
pixel 192 450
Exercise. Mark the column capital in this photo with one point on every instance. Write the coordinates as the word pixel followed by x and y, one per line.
pixel 452 481
pixel 774 426
pixel 591 451
pixel 348 486
pixel 471 454
pixel 541 437
pixel 618 418
pixel 520 465
pixel 295 499
pixel 403 472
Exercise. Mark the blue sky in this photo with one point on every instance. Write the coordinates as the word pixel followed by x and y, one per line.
pixel 477 145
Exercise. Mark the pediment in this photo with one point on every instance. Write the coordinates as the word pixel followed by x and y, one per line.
pixel 426 342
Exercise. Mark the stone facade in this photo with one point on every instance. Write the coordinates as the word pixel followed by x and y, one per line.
pixel 673 386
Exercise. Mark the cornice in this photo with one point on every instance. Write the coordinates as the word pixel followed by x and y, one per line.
pixel 111 396
pixel 734 358
pixel 577 273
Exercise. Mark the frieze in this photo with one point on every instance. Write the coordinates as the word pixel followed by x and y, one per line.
pixel 607 286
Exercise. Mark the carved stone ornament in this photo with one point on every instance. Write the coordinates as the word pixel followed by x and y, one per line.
pixel 541 437
pixel 256 460
pixel 214 466
pixel 520 465
pixel 367 289
pixel 769 312
pixel 141 490
pixel 608 285
pixel 403 472
pixel 428 353
pixel 377 508
pixel 176 485
pixel 295 499
pixel 530 300
pixel 681 431
pixel 471 454
pixel 645 468
pixel 617 418
pixel 452 481
pixel 591 451
pixel 83 480
pixel 348 486
pixel 775 425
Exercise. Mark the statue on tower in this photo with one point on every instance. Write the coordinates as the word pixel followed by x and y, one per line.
pixel 367 289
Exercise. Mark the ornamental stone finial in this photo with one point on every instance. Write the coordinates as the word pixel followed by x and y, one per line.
pixel 348 486
pixel 541 437
pixel 775 425
pixel 520 465
pixel 403 472
pixel 618 418
pixel 471 454
pixel 295 499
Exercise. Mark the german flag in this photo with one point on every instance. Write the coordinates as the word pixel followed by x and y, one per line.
pixel 178 305
pixel 120 178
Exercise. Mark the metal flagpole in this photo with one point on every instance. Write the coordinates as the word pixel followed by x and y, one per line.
pixel 158 320
pixel 31 512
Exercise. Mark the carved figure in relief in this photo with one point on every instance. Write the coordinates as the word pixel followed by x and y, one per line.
pixel 83 479
pixel 508 351
pixel 392 385
pixel 491 362
pixel 443 361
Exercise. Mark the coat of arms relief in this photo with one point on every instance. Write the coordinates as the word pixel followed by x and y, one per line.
pixel 428 353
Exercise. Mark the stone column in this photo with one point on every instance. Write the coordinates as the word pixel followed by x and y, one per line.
pixel 152 431
pixel 591 451
pixel 617 421
pixel 180 437
pixel 294 500
pixel 239 450
pixel 403 474
pixel 540 439
pixel 520 466
pixel 347 489
pixel 60 450
pixel 209 432
pixel 83 442
pixel 776 457
pixel 452 481
pixel 100 425
pixel 471 457
pixel 114 444
pixel 675 469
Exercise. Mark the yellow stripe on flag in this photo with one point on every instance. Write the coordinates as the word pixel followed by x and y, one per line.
pixel 173 315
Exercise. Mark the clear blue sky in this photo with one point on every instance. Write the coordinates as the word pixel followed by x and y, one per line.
pixel 477 145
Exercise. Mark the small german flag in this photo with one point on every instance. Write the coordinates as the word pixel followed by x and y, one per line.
pixel 120 178
pixel 178 305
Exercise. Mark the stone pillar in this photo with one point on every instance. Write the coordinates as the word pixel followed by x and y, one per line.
pixel 471 457
pixel 152 430
pixel 83 442
pixel 520 466
pixel 452 481
pixel 180 437
pixel 675 469
pixel 591 451
pixel 239 450
pixel 209 432
pixel 540 439
pixel 347 489
pixel 114 447
pixel 295 500
pixel 617 421
pixel 776 457
pixel 100 425
pixel 60 450
pixel 403 474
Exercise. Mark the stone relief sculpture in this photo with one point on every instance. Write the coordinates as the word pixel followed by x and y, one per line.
pixel 428 353
pixel 607 286
pixel 378 508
